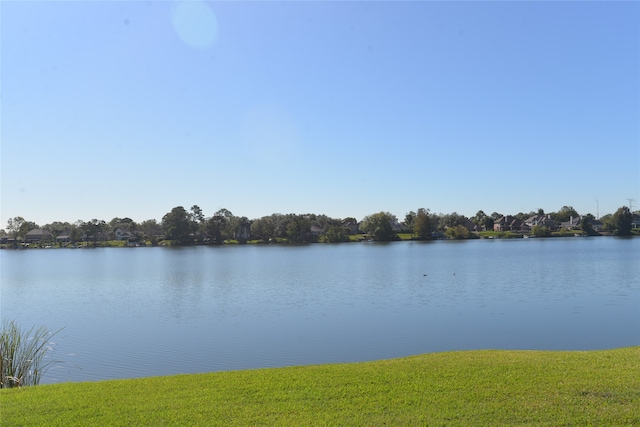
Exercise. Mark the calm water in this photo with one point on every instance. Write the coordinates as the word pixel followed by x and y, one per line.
pixel 135 312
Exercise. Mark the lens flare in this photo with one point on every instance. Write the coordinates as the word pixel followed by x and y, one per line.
pixel 195 23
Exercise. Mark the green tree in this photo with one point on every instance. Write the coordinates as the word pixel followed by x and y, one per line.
pixel 263 228
pixel 336 234
pixel 196 221
pixel 75 232
pixel 586 226
pixel 457 232
pixel 379 226
pixel 453 219
pixel 150 229
pixel 622 221
pixel 422 224
pixel 13 227
pixel 409 219
pixel 177 226
pixel 298 228
pixel 219 226
pixel 94 229
pixel 540 231
pixel 18 227
pixel 56 228
pixel 565 214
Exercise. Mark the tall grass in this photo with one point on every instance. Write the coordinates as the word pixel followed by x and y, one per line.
pixel 23 354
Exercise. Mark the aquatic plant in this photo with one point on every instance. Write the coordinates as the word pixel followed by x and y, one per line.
pixel 23 354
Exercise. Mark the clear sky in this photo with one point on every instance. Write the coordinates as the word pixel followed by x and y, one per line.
pixel 128 109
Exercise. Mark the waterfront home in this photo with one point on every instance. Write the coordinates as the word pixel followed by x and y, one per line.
pixel 38 235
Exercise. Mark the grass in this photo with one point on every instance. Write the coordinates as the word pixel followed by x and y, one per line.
pixel 23 354
pixel 460 388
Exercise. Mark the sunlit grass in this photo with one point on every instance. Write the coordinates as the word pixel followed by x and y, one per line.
pixel 470 388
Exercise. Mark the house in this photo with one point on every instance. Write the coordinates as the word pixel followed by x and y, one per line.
pixel 542 221
pixel 64 237
pixel 100 236
pixel 596 224
pixel 351 225
pixel 397 227
pixel 316 231
pixel 38 235
pixel 635 220
pixel 121 234
pixel 572 224
pixel 508 223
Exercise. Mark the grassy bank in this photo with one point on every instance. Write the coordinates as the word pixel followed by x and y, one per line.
pixel 460 388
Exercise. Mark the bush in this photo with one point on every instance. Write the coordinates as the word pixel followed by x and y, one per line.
pixel 22 354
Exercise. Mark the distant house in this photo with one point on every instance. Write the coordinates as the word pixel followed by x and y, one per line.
pixel 121 234
pixel 508 223
pixel 99 236
pixel 572 224
pixel 64 237
pixel 316 231
pixel 398 227
pixel 38 235
pixel 542 221
pixel 635 220
pixel 351 225
pixel 596 224
pixel 471 226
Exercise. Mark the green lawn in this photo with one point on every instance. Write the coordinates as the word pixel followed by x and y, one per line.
pixel 483 388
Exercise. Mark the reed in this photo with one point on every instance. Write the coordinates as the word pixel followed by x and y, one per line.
pixel 23 354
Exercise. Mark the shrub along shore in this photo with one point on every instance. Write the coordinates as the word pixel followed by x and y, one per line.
pixel 488 387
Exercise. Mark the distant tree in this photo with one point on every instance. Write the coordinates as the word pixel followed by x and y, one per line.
pixel 453 219
pixel 94 229
pixel 336 234
pixel 379 225
pixel 263 228
pixel 18 227
pixel 196 221
pixel 479 218
pixel 56 228
pixel 298 228
pixel 522 216
pixel 196 214
pixel 150 229
pixel 177 226
pixel 622 221
pixel 437 221
pixel 540 231
pixel 75 232
pixel 242 230
pixel 482 220
pixel 422 224
pixel 586 225
pixel 409 218
pixel 565 214
pixel 219 226
pixel 323 222
pixel 14 225
pixel 457 232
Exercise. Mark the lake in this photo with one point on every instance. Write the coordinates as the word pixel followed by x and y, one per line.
pixel 133 312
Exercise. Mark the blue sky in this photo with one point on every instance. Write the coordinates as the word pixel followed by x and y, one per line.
pixel 343 108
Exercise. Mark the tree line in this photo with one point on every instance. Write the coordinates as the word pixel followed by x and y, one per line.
pixel 184 227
